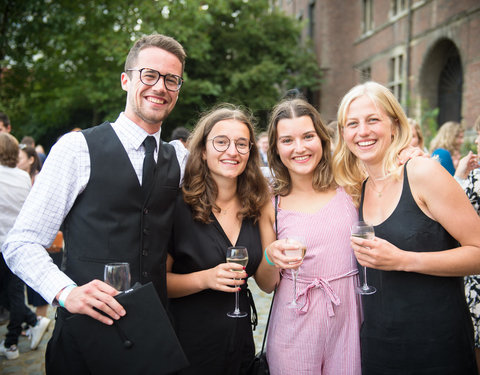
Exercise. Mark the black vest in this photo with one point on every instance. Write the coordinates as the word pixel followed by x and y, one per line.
pixel 112 221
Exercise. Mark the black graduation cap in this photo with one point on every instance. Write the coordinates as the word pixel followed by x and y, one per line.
pixel 141 342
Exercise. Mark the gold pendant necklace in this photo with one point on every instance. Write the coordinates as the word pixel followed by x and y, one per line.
pixel 379 193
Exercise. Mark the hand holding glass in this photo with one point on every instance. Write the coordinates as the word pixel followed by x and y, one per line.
pixel 363 230
pixel 239 255
pixel 117 275
pixel 299 252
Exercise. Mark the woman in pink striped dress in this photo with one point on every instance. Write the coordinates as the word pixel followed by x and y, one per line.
pixel 322 335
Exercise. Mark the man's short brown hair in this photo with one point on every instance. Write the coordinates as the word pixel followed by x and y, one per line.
pixel 164 42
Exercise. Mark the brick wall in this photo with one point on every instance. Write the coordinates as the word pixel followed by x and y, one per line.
pixel 438 27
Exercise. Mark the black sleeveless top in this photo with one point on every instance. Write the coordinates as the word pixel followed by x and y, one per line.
pixel 415 323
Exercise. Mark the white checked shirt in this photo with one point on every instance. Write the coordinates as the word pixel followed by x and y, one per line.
pixel 64 176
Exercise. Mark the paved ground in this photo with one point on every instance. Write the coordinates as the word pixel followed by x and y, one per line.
pixel 32 362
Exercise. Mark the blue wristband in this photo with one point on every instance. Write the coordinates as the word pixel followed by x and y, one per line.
pixel 65 292
pixel 266 258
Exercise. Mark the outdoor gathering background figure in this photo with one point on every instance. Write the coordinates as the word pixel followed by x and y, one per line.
pixel 29 161
pixel 5 125
pixel 30 141
pixel 322 337
pixel 332 129
pixel 417 135
pixel 15 185
pixel 41 153
pixel 446 145
pixel 91 182
pixel 468 175
pixel 181 134
pixel 417 321
pixel 223 192
pixel 262 144
pixel 468 172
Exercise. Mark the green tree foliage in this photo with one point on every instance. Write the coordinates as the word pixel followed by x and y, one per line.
pixel 61 60
pixel 429 124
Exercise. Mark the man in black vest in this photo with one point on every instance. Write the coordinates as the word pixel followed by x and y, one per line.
pixel 113 208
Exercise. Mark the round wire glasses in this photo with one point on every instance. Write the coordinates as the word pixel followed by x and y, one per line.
pixel 221 143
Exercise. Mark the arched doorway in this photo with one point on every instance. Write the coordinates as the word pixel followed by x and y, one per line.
pixel 450 87
pixel 441 81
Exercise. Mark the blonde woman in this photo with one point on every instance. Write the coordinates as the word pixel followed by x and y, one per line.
pixel 446 145
pixel 427 238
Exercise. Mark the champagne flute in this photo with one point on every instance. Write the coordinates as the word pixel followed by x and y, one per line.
pixel 363 230
pixel 117 275
pixel 239 255
pixel 299 253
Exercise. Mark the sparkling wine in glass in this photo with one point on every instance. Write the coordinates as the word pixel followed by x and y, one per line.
pixel 298 253
pixel 363 230
pixel 117 275
pixel 239 255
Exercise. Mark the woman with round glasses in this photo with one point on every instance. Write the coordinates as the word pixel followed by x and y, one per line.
pixel 223 193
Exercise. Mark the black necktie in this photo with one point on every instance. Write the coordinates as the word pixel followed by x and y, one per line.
pixel 148 163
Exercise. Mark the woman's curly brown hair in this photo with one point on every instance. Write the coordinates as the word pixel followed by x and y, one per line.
pixel 199 188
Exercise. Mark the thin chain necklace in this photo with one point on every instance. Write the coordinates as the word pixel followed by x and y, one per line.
pixel 379 193
pixel 225 210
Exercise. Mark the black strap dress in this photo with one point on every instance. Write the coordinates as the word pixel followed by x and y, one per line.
pixel 415 323
pixel 213 342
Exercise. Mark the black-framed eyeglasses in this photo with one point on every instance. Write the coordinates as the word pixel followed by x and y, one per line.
pixel 221 143
pixel 150 77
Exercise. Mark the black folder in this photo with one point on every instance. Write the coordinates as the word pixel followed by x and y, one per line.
pixel 141 342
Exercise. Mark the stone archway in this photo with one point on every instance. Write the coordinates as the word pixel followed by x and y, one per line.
pixel 441 80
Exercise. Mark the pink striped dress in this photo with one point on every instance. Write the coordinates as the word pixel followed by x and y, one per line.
pixel 323 336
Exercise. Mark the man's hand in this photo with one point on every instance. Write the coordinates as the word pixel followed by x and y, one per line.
pixel 95 294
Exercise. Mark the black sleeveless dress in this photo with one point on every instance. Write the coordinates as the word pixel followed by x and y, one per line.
pixel 214 343
pixel 415 323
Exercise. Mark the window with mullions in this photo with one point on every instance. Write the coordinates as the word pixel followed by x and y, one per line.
pixel 367 15
pixel 396 80
pixel 398 6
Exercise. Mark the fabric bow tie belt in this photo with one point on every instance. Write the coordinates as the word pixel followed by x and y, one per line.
pixel 323 284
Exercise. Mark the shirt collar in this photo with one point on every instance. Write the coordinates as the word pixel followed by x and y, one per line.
pixel 134 133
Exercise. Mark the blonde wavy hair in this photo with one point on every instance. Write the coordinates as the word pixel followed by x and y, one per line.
pixel 289 109
pixel 200 189
pixel 348 170
pixel 447 137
